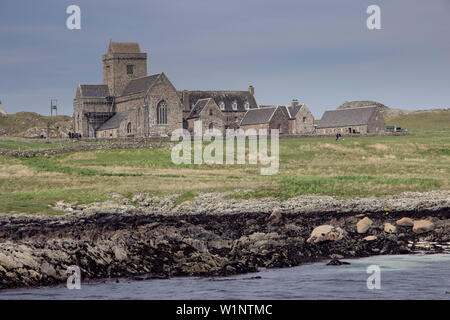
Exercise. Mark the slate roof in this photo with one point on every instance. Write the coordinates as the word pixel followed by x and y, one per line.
pixel 346 117
pixel 258 116
pixel 195 112
pixel 286 111
pixel 94 90
pixel 227 97
pixel 140 84
pixel 124 47
pixel 115 121
pixel 293 110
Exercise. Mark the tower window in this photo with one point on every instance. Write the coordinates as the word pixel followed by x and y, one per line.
pixel 161 112
pixel 130 69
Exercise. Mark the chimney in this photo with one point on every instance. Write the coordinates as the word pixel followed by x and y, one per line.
pixel 251 89
pixel 294 103
pixel 185 101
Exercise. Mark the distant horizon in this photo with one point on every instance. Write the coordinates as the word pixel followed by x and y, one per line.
pixel 319 53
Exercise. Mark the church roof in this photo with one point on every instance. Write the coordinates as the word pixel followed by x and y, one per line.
pixel 227 97
pixel 346 117
pixel 195 112
pixel 124 47
pixel 140 84
pixel 115 121
pixel 258 116
pixel 94 90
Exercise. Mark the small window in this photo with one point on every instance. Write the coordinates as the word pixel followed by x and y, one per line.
pixel 222 105
pixel 211 127
pixel 210 112
pixel 304 119
pixel 247 105
pixel 129 127
pixel 130 69
pixel 234 105
pixel 236 119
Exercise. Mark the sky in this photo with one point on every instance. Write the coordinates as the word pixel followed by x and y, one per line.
pixel 317 51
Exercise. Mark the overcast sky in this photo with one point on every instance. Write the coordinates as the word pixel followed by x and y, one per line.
pixel 318 51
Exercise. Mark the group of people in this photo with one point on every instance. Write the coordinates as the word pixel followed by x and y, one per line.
pixel 73 135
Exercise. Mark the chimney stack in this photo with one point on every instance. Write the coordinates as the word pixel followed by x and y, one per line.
pixel 294 103
pixel 251 89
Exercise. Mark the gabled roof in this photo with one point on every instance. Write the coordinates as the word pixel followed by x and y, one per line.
pixel 285 111
pixel 227 97
pixel 140 84
pixel 115 121
pixel 346 117
pixel 124 47
pixel 258 116
pixel 195 112
pixel 293 110
pixel 94 90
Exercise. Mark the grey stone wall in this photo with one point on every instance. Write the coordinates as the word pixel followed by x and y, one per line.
pixel 304 122
pixel 115 70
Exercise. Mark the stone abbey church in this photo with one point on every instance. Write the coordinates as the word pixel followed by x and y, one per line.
pixel 131 103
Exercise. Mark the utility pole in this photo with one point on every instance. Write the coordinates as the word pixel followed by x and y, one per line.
pixel 53 106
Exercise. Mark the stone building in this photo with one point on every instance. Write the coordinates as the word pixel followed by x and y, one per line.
pixel 352 121
pixel 269 117
pixel 210 115
pixel 297 119
pixel 232 106
pixel 129 102
pixel 301 120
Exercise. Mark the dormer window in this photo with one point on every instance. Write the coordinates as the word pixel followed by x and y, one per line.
pixel 246 105
pixel 222 105
pixel 130 69
pixel 234 105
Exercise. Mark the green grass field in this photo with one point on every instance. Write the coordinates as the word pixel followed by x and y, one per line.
pixel 363 166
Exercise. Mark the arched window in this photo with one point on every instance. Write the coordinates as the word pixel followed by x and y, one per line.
pixel 211 127
pixel 161 112
pixel 222 105
pixel 129 127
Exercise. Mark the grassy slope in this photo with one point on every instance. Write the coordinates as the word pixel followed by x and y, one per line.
pixel 16 124
pixel 352 167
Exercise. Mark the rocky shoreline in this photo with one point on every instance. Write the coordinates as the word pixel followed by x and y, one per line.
pixel 149 237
